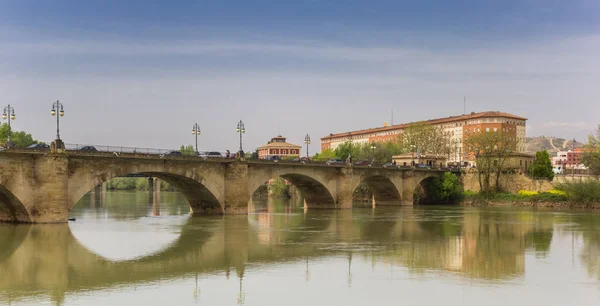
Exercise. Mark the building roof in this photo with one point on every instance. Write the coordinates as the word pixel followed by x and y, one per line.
pixel 279 145
pixel 431 121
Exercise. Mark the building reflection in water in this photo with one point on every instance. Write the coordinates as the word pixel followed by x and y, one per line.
pixel 481 244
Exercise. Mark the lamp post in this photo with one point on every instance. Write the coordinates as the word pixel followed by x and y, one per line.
pixel 9 113
pixel 412 153
pixel 196 132
pixel 57 107
pixel 241 129
pixel 307 142
pixel 373 147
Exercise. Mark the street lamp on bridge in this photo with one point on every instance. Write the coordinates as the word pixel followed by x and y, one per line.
pixel 57 107
pixel 307 142
pixel 196 132
pixel 241 129
pixel 373 147
pixel 9 113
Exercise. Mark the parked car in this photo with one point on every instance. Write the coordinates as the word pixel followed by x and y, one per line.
pixel 423 166
pixel 39 146
pixel 174 153
pixel 211 154
pixel 88 149
pixel 389 165
pixel 363 163
pixel 300 160
pixel 274 158
pixel 336 161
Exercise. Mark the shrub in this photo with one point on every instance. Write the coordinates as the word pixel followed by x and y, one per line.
pixel 582 191
pixel 527 193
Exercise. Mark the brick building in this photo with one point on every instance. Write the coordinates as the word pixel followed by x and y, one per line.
pixel 278 146
pixel 455 127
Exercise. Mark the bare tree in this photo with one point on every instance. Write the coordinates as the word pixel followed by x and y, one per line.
pixel 491 151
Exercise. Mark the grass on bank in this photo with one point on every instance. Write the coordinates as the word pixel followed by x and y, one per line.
pixel 585 191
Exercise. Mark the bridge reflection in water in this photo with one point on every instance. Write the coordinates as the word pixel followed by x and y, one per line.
pixel 47 260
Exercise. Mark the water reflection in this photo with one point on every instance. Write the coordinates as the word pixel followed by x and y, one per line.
pixel 481 245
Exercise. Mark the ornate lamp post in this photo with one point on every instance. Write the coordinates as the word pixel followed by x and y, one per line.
pixel 57 107
pixel 307 142
pixel 196 132
pixel 373 147
pixel 9 113
pixel 241 129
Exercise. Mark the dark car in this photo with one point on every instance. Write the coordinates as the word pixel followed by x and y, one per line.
pixel 174 153
pixel 363 163
pixel 39 146
pixel 88 149
pixel 336 161
pixel 211 154
pixel 274 158
pixel 389 165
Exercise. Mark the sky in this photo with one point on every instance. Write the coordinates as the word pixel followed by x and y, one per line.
pixel 141 73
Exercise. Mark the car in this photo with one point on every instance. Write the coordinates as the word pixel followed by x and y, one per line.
pixel 39 146
pixel 336 161
pixel 423 166
pixel 273 158
pixel 389 165
pixel 88 149
pixel 174 153
pixel 363 163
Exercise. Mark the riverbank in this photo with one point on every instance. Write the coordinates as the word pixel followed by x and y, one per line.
pixel 535 204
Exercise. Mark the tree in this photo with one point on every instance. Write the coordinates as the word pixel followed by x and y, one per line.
pixel 187 150
pixel 491 151
pixel 346 149
pixel 542 166
pixel 427 138
pixel 324 155
pixel 591 155
pixel 19 138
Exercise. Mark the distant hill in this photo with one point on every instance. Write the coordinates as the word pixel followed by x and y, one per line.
pixel 551 144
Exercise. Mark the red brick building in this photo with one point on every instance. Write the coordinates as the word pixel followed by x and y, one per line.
pixel 278 146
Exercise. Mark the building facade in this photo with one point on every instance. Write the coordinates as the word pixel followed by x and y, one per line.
pixel 278 146
pixel 569 159
pixel 456 128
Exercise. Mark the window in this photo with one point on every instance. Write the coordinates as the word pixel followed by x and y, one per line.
pixel 487 129
pixel 495 129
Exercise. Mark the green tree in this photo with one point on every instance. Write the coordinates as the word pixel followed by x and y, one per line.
pixel 591 155
pixel 428 139
pixel 187 150
pixel 346 149
pixel 279 187
pixel 324 155
pixel 542 166
pixel 20 139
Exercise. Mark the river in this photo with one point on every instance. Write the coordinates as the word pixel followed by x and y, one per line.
pixel 126 248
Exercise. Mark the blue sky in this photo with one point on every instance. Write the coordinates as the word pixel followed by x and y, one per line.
pixel 140 73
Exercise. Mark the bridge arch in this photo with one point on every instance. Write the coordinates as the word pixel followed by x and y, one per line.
pixel 11 208
pixel 318 192
pixel 201 186
pixel 382 188
pixel 422 191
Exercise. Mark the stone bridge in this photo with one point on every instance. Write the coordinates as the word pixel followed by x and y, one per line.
pixel 42 187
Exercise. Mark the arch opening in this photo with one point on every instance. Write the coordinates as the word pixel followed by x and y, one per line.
pixel 315 194
pixel 199 197
pixel 379 189
pixel 11 208
pixel 425 192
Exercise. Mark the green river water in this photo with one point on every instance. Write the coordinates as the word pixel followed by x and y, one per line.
pixel 126 248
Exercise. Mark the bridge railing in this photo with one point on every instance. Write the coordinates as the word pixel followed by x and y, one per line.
pixel 117 149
